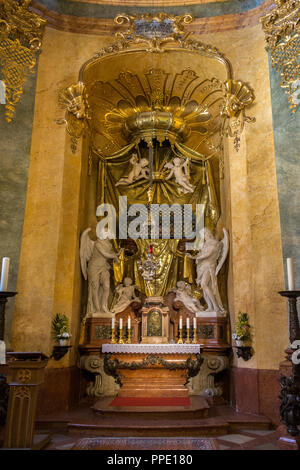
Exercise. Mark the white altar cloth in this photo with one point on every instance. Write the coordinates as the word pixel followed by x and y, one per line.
pixel 152 348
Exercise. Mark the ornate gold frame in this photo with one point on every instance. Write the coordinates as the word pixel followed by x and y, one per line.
pixel 157 34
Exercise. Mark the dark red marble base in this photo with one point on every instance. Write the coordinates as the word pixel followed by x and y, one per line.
pixel 255 391
pixel 60 391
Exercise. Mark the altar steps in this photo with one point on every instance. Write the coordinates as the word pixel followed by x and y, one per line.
pixel 198 409
pixel 215 426
pixel 221 420
pixel 158 429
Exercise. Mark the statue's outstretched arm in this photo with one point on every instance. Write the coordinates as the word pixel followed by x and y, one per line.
pixel 170 174
pixel 107 254
pixel 206 252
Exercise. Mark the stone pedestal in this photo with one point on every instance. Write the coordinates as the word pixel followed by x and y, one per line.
pixel 27 374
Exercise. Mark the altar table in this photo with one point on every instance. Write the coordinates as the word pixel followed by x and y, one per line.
pixel 152 370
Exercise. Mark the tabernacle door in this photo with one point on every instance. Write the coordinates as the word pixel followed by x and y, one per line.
pixel 155 321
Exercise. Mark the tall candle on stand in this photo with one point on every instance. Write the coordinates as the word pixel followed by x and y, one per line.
pixel 112 323
pixel 180 323
pixel 194 323
pixel 4 274
pixel 129 323
pixel 290 273
pixel 121 323
pixel 187 323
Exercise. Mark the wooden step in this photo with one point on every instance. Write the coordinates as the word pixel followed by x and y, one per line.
pixel 201 428
pixel 197 409
pixel 153 393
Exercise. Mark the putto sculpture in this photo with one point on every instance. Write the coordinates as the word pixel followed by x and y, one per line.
pixel 140 170
pixel 179 170
pixel 184 294
pixel 125 295
pixel 209 261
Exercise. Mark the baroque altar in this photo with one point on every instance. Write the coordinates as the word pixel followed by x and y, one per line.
pixel 154 108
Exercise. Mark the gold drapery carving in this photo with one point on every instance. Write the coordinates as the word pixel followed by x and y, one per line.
pixel 164 192
pixel 173 265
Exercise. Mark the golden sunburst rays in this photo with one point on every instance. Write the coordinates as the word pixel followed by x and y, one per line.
pixel 154 104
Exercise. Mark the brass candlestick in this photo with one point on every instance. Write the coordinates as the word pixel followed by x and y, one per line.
pixel 113 336
pixel 195 336
pixel 187 336
pixel 129 336
pixel 180 336
pixel 120 337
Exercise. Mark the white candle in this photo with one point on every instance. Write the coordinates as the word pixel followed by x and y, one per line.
pixel 121 323
pixel 187 322
pixel 180 323
pixel 195 323
pixel 112 323
pixel 290 273
pixel 4 274
pixel 129 323
pixel 2 352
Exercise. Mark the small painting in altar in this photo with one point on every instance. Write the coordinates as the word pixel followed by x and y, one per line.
pixel 154 323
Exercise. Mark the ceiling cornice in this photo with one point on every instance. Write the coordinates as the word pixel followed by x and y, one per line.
pixel 107 26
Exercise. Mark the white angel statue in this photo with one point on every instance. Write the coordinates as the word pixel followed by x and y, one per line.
pixel 140 170
pixel 184 295
pixel 94 257
pixel 125 295
pixel 209 261
pixel 180 172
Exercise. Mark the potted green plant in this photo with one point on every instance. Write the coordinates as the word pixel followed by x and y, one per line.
pixel 60 326
pixel 242 335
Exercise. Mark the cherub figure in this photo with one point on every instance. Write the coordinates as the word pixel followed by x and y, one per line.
pixel 180 172
pixel 125 295
pixel 140 170
pixel 184 295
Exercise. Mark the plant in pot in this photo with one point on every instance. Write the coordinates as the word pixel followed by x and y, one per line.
pixel 60 325
pixel 242 335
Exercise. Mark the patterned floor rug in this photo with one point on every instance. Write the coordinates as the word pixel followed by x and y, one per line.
pixel 142 443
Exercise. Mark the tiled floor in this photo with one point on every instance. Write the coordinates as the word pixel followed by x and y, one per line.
pixel 246 439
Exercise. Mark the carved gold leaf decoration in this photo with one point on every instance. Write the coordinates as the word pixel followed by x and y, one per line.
pixel 179 107
pixel 74 100
pixel 21 34
pixel 282 27
pixel 238 95
pixel 153 29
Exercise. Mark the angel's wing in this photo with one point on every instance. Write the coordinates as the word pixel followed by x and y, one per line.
pixel 86 250
pixel 224 251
